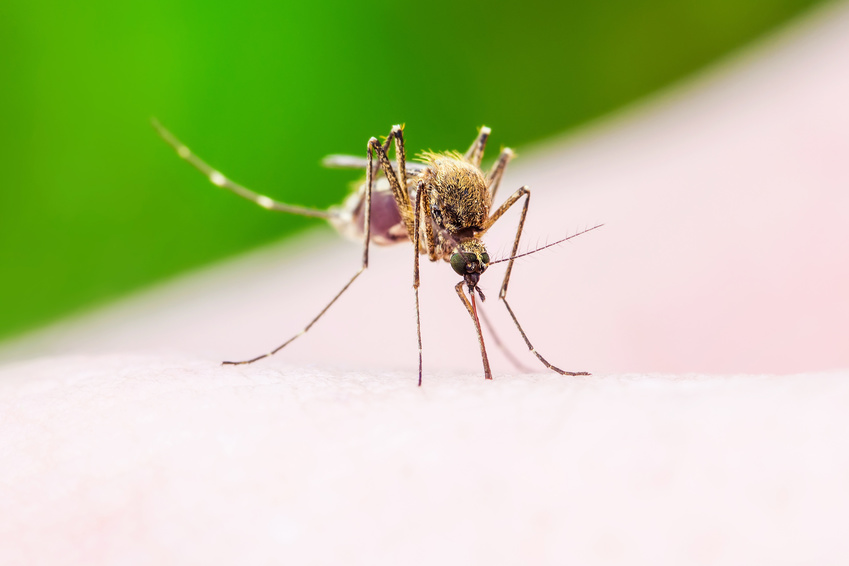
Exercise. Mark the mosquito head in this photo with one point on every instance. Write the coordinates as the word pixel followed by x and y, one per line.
pixel 470 260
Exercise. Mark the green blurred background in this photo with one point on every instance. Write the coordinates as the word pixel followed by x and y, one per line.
pixel 94 204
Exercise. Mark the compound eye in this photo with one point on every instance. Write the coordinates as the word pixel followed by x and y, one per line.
pixel 458 264
pixel 485 259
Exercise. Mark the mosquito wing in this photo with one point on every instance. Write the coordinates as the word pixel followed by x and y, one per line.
pixel 354 162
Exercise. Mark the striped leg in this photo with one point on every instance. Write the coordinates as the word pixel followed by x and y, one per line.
pixel 497 170
pixel 474 155
pixel 218 179
pixel 522 192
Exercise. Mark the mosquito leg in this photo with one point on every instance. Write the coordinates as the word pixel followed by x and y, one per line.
pixel 400 154
pixel 474 155
pixel 505 206
pixel 218 179
pixel 473 312
pixel 417 233
pixel 501 346
pixel 402 196
pixel 367 237
pixel 433 251
pixel 305 329
pixel 387 143
pixel 401 159
pixel 497 170
pixel 522 192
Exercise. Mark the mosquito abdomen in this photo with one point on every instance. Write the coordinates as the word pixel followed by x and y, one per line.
pixel 387 226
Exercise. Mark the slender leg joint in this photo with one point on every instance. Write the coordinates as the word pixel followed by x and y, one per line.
pixel 471 307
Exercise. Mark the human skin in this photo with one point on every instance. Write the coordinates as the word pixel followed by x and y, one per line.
pixel 151 460
pixel 710 308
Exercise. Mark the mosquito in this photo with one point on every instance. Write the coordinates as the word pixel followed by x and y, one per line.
pixel 441 204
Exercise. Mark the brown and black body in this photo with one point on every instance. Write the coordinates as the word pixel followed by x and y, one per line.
pixel 456 191
pixel 442 205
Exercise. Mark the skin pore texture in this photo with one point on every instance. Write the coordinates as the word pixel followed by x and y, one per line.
pixel 711 309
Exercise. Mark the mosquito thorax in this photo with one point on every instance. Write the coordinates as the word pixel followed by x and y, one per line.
pixel 458 192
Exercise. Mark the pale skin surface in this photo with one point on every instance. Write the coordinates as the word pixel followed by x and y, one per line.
pixel 723 252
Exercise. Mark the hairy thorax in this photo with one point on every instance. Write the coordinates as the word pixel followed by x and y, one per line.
pixel 459 199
